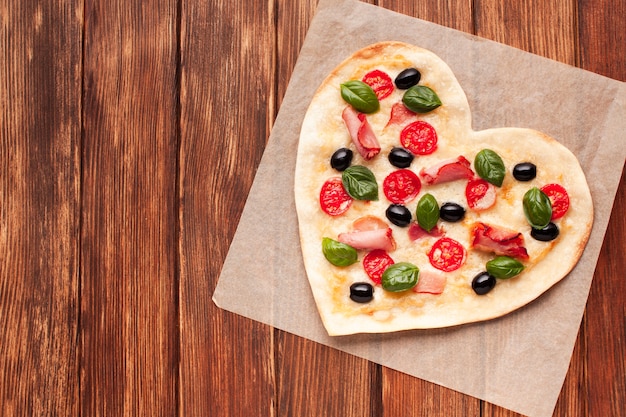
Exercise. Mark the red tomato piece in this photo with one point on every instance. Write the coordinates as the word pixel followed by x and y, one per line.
pixel 419 137
pixel 447 254
pixel 380 82
pixel 334 200
pixel 375 263
pixel 480 194
pixel 401 186
pixel 558 197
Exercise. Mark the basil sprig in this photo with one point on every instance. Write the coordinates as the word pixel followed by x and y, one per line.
pixel 504 267
pixel 421 99
pixel 337 253
pixel 490 167
pixel 427 212
pixel 400 277
pixel 360 96
pixel 537 208
pixel 360 183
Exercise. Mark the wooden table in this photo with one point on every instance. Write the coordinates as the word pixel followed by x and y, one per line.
pixel 130 136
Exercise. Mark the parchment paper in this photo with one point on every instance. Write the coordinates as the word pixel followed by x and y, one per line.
pixel 518 361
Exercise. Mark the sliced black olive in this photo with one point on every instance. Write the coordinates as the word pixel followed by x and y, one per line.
pixel 398 215
pixel 400 157
pixel 341 159
pixel 451 212
pixel 548 233
pixel 483 283
pixel 361 292
pixel 525 171
pixel 407 78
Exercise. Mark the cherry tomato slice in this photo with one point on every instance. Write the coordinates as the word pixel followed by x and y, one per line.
pixel 401 186
pixel 419 137
pixel 558 197
pixel 375 263
pixel 447 254
pixel 480 194
pixel 380 82
pixel 334 200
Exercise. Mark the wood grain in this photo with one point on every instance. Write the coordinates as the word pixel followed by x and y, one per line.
pixel 130 134
pixel 601 41
pixel 522 25
pixel 546 29
pixel 454 14
pixel 605 322
pixel 314 380
pixel 129 296
pixel 40 132
pixel 402 394
pixel 227 100
pixel 350 386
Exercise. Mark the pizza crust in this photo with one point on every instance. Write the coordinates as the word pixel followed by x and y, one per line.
pixel 323 132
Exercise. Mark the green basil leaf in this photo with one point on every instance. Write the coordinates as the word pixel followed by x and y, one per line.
pixel 490 167
pixel 421 99
pixel 400 277
pixel 537 208
pixel 337 253
pixel 360 183
pixel 427 212
pixel 504 267
pixel 360 96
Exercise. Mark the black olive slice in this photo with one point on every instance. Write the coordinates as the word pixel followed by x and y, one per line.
pixel 361 292
pixel 525 171
pixel 483 283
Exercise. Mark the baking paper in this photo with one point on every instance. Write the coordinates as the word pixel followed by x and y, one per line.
pixel 518 361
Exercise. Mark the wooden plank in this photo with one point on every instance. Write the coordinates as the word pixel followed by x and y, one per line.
pixel 601 40
pixel 315 380
pixel 604 322
pixel 547 29
pixel 292 24
pixel 402 394
pixel 453 14
pixel 227 57
pixel 129 302
pixel 572 400
pixel 40 91
pixel 312 379
pixel 601 50
pixel 601 37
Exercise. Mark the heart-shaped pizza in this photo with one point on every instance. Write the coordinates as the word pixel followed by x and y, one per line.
pixel 409 219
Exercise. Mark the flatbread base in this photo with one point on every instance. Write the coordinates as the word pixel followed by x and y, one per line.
pixel 323 131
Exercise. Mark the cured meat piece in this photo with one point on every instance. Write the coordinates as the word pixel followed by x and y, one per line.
pixel 399 114
pixel 501 241
pixel 361 133
pixel 369 239
pixel 416 232
pixel 369 222
pixel 430 282
pixel 447 170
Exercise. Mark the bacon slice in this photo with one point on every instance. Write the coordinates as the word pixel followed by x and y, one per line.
pixel 416 232
pixel 369 222
pixel 447 170
pixel 498 240
pixel 399 114
pixel 430 283
pixel 361 133
pixel 369 239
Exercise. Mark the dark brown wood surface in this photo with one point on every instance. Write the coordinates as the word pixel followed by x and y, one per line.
pixel 130 135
